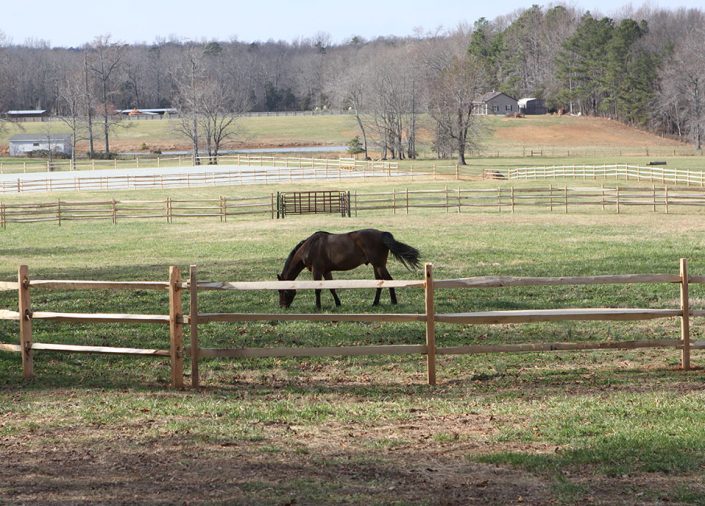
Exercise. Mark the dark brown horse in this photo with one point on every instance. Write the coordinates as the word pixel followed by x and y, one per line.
pixel 323 252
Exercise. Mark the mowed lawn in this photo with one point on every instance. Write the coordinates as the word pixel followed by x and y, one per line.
pixel 590 427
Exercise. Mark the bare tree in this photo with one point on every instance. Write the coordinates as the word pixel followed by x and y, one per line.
pixel 107 58
pixel 456 79
pixel 73 105
pixel 683 86
pixel 190 79
pixel 217 118
pixel 210 103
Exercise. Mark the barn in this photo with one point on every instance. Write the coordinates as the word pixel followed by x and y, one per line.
pixel 22 144
pixel 495 102
pixel 532 106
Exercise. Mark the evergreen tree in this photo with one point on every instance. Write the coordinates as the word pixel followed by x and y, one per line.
pixel 581 65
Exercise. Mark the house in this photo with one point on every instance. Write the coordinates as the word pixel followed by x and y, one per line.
pixel 27 115
pixel 495 102
pixel 22 144
pixel 532 106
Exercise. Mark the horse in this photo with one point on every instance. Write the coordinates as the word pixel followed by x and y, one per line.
pixel 323 252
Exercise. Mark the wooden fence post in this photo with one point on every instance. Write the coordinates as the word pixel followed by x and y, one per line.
pixel 193 322
pixel 176 328
pixel 685 317
pixel 25 310
pixel 430 326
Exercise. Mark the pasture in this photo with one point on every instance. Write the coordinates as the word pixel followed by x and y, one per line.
pixel 586 427
pixel 566 137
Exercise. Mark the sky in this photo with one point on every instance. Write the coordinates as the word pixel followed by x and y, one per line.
pixel 72 23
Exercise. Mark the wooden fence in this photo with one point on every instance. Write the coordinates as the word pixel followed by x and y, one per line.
pixel 562 199
pixel 626 172
pixel 177 320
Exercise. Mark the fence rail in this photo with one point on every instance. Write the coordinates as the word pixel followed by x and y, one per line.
pixel 62 165
pixel 627 172
pixel 451 200
pixel 177 320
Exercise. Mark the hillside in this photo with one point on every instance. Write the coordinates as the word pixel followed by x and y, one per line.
pixel 505 136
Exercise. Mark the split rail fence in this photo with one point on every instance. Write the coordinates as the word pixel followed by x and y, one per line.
pixel 451 200
pixel 177 320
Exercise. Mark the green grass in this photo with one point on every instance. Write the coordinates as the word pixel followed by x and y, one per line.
pixel 366 429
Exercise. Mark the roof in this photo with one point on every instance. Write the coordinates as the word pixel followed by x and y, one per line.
pixel 147 111
pixel 524 101
pixel 40 137
pixel 26 112
pixel 491 95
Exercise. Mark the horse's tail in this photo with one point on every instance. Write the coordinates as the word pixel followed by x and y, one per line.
pixel 407 255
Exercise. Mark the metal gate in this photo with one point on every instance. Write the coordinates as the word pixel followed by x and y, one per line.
pixel 313 202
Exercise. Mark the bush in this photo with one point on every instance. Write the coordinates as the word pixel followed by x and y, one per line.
pixel 44 153
pixel 103 156
pixel 355 146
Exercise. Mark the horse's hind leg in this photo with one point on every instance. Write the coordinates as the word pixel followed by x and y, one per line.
pixel 317 277
pixel 381 272
pixel 328 276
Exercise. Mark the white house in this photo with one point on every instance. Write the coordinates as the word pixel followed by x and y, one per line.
pixel 22 144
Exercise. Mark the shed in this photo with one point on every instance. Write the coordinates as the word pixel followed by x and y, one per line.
pixel 136 112
pixel 495 102
pixel 532 106
pixel 23 144
pixel 27 115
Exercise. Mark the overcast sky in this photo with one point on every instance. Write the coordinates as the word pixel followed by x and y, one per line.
pixel 71 23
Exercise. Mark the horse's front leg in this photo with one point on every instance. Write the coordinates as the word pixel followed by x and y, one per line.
pixel 329 277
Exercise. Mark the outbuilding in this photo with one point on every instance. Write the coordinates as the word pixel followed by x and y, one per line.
pixel 532 106
pixel 23 144
pixel 26 115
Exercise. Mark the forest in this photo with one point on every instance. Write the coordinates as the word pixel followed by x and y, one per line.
pixel 644 67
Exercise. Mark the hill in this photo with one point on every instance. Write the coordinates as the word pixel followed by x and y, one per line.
pixel 504 136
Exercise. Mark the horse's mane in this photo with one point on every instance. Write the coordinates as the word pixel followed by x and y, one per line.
pixel 290 258
pixel 291 255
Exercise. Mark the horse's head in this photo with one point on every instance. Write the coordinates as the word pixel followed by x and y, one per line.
pixel 286 297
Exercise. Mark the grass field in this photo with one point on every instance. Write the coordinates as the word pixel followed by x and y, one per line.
pixel 591 427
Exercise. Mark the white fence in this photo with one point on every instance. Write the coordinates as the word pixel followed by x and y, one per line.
pixel 626 172
pixel 233 171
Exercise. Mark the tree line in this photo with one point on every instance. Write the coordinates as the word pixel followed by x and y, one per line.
pixel 644 67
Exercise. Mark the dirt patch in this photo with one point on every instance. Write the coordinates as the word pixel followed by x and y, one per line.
pixel 575 132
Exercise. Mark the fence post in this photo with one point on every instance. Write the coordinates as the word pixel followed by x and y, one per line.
pixel 430 326
pixel 193 322
pixel 617 200
pixel 685 316
pixel 512 194
pixel 176 328
pixel 25 310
